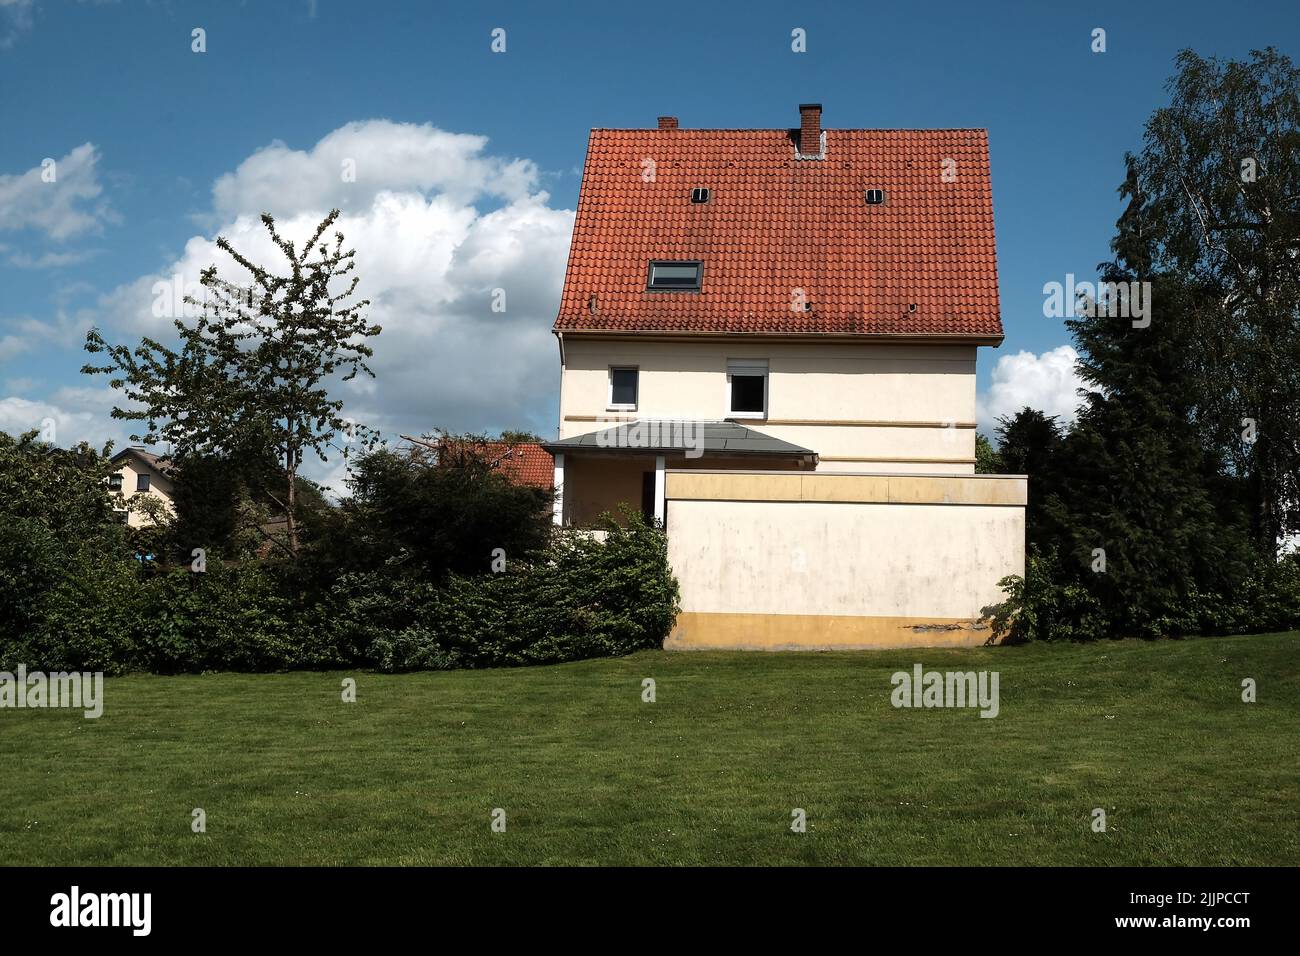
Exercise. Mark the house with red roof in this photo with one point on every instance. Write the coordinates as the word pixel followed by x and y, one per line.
pixel 823 291
pixel 523 462
pixel 784 316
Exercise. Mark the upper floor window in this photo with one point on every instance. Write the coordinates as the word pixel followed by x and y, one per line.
pixel 675 275
pixel 141 482
pixel 115 482
pixel 747 388
pixel 623 387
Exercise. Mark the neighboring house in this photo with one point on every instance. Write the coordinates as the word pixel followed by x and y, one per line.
pixel 140 473
pixel 526 463
pixel 745 308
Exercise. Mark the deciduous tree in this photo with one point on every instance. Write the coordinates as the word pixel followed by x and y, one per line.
pixel 253 370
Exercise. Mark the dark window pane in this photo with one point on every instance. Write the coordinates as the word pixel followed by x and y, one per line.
pixel 114 482
pixel 623 386
pixel 141 482
pixel 747 393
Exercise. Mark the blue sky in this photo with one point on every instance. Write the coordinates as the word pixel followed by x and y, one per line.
pixel 158 125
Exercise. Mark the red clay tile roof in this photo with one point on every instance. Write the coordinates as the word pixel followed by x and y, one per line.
pixel 160 463
pixel 526 463
pixel 775 224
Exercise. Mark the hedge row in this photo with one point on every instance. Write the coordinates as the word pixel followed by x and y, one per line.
pixel 579 597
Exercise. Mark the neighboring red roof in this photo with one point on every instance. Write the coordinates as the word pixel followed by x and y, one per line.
pixel 526 463
pixel 775 223
pixel 159 463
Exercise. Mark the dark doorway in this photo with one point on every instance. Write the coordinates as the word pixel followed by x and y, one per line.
pixel 648 496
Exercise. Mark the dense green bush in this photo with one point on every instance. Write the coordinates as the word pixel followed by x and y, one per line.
pixel 344 625
pixel 68 589
pixel 1048 604
pixel 89 618
pixel 400 575
pixel 580 598
pixel 1039 607
pixel 422 517
pixel 31 560
pixel 106 614
pixel 231 617
pixel 62 488
pixel 1268 600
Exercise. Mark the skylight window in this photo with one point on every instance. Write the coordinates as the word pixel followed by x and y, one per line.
pixel 875 197
pixel 675 276
pixel 700 194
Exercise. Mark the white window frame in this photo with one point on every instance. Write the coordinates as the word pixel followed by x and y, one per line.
pixel 748 367
pixel 610 405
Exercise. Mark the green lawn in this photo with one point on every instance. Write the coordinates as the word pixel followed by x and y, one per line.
pixel 1155 733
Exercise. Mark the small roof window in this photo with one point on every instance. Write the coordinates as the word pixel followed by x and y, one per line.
pixel 700 195
pixel 672 275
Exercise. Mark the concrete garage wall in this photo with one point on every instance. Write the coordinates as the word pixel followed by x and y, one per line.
pixel 840 560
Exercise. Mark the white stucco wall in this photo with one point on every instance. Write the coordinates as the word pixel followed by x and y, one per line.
pixel 160 486
pixel 860 406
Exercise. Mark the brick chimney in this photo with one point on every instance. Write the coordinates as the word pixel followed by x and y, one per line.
pixel 810 129
pixel 668 122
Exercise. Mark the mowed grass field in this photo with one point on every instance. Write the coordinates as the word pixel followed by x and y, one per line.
pixel 587 773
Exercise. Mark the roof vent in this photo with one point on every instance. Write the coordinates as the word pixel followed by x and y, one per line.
pixel 875 197
pixel 700 194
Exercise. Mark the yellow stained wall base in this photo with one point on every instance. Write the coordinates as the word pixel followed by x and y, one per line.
pixel 696 630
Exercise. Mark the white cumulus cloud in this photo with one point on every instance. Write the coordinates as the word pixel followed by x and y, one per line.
pixel 1047 382
pixel 66 420
pixel 438 225
pixel 355 163
pixel 62 203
